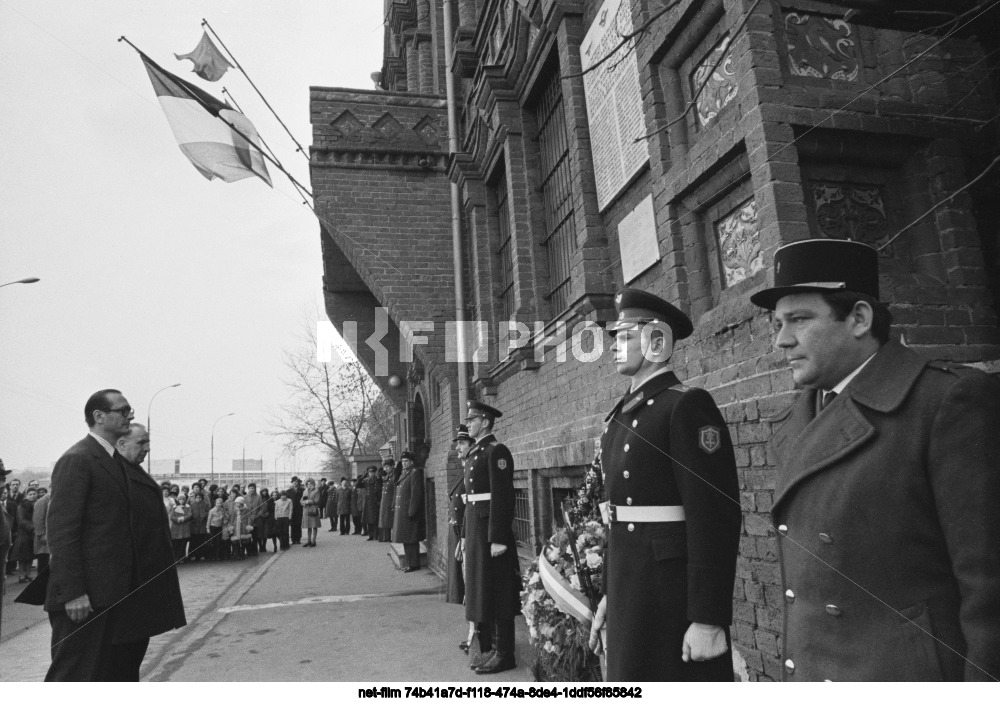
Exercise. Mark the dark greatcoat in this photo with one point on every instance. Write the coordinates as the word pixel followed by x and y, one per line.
pixel 492 585
pixel 667 444
pixel 408 523
pixel 895 486
pixel 373 496
pixel 110 540
pixel 386 507
pixel 345 499
pixel 455 592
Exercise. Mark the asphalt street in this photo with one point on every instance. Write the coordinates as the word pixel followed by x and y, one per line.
pixel 337 612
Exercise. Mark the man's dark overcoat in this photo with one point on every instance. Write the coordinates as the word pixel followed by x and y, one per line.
pixel 492 585
pixel 386 506
pixel 455 591
pixel 110 540
pixel 373 496
pixel 409 524
pixel 889 505
pixel 667 444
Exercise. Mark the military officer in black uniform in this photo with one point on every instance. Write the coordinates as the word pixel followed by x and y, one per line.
pixel 673 511
pixel 492 571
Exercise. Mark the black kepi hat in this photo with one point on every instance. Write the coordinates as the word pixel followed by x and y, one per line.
pixel 638 307
pixel 821 265
pixel 481 409
pixel 406 454
pixel 463 434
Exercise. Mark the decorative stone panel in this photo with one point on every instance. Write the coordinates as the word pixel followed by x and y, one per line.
pixel 739 243
pixel 821 47
pixel 722 87
pixel 852 211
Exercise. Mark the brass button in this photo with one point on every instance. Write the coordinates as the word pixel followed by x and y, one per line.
pixel 783 529
pixel 789 596
pixel 649 402
pixel 628 500
pixel 833 610
pixel 631 527
pixel 635 422
pixel 626 448
pixel 625 475
pixel 790 666
pixel 825 538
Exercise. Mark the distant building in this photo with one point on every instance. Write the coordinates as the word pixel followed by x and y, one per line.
pixel 250 465
pixel 678 166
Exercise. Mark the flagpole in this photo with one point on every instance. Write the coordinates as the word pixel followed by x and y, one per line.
pixel 263 141
pixel 204 23
pixel 229 124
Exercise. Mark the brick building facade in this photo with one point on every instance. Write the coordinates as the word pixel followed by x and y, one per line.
pixel 760 122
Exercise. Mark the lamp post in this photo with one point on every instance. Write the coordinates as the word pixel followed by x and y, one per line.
pixel 213 441
pixel 149 425
pixel 22 281
pixel 243 465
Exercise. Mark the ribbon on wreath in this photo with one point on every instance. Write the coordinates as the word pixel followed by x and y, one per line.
pixel 568 599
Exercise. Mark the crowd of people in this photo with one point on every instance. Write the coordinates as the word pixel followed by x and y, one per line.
pixel 25 511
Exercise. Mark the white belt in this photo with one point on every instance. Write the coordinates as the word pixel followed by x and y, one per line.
pixel 465 498
pixel 478 497
pixel 615 513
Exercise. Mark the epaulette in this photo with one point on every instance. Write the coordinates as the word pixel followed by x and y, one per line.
pixel 680 387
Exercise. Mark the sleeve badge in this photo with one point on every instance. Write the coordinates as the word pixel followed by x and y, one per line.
pixel 502 463
pixel 709 439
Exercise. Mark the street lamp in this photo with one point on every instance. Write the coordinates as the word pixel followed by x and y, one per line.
pixel 149 424
pixel 22 281
pixel 213 441
pixel 243 465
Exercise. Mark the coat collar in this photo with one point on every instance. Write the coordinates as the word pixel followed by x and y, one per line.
pixel 482 443
pixel 106 462
pixel 806 443
pixel 654 386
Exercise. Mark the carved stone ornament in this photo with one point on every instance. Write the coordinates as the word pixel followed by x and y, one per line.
pixel 821 47
pixel 852 211
pixel 346 127
pixel 739 243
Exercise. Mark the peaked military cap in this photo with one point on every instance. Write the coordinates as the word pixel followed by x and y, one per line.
pixel 463 434
pixel 406 454
pixel 821 265
pixel 481 409
pixel 637 307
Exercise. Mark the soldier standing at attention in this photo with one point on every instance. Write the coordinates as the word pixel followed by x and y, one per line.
pixel 673 511
pixel 492 570
pixel 886 503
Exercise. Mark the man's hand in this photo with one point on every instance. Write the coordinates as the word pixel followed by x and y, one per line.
pixel 458 552
pixel 596 640
pixel 497 550
pixel 79 609
pixel 703 642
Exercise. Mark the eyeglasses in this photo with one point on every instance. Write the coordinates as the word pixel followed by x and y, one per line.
pixel 123 411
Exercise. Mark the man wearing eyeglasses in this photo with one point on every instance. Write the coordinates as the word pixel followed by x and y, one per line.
pixel 111 584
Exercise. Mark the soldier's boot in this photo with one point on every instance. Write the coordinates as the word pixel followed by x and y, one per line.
pixel 503 659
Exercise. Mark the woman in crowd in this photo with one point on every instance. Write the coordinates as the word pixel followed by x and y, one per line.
pixel 218 519
pixel 310 512
pixel 180 526
pixel 199 528
pixel 283 517
pixel 241 528
pixel 24 544
pixel 261 521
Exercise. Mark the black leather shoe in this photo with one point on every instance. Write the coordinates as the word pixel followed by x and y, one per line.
pixel 497 664
pixel 464 647
pixel 481 659
pixel 408 569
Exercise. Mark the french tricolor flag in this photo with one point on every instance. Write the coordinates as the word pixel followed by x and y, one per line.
pixel 212 135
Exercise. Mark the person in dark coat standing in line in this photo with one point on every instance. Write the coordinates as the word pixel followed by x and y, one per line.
pixel 5 540
pixel 358 506
pixel 345 502
pixel 324 491
pixel 296 524
pixel 455 592
pixel 388 502
pixel 409 526
pixel 886 503
pixel 373 497
pixel 331 506
pixel 492 570
pixel 113 583
pixel 673 510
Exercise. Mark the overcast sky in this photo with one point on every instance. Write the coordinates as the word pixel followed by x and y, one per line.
pixel 152 275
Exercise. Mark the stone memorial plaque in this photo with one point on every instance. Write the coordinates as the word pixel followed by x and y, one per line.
pixel 614 101
pixel 637 240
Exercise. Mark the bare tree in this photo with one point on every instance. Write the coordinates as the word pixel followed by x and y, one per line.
pixel 336 406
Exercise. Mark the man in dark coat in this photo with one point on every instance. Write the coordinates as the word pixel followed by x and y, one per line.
pixel 324 491
pixel 388 502
pixel 112 582
pixel 492 570
pixel 345 501
pixel 296 524
pixel 455 592
pixel 673 510
pixel 5 538
pixel 373 497
pixel 888 486
pixel 409 527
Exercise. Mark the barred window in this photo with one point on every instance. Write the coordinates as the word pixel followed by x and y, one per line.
pixel 522 517
pixel 560 495
pixel 505 253
pixel 430 505
pixel 557 190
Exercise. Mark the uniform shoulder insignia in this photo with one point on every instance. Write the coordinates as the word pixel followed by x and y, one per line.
pixel 680 387
pixel 709 439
